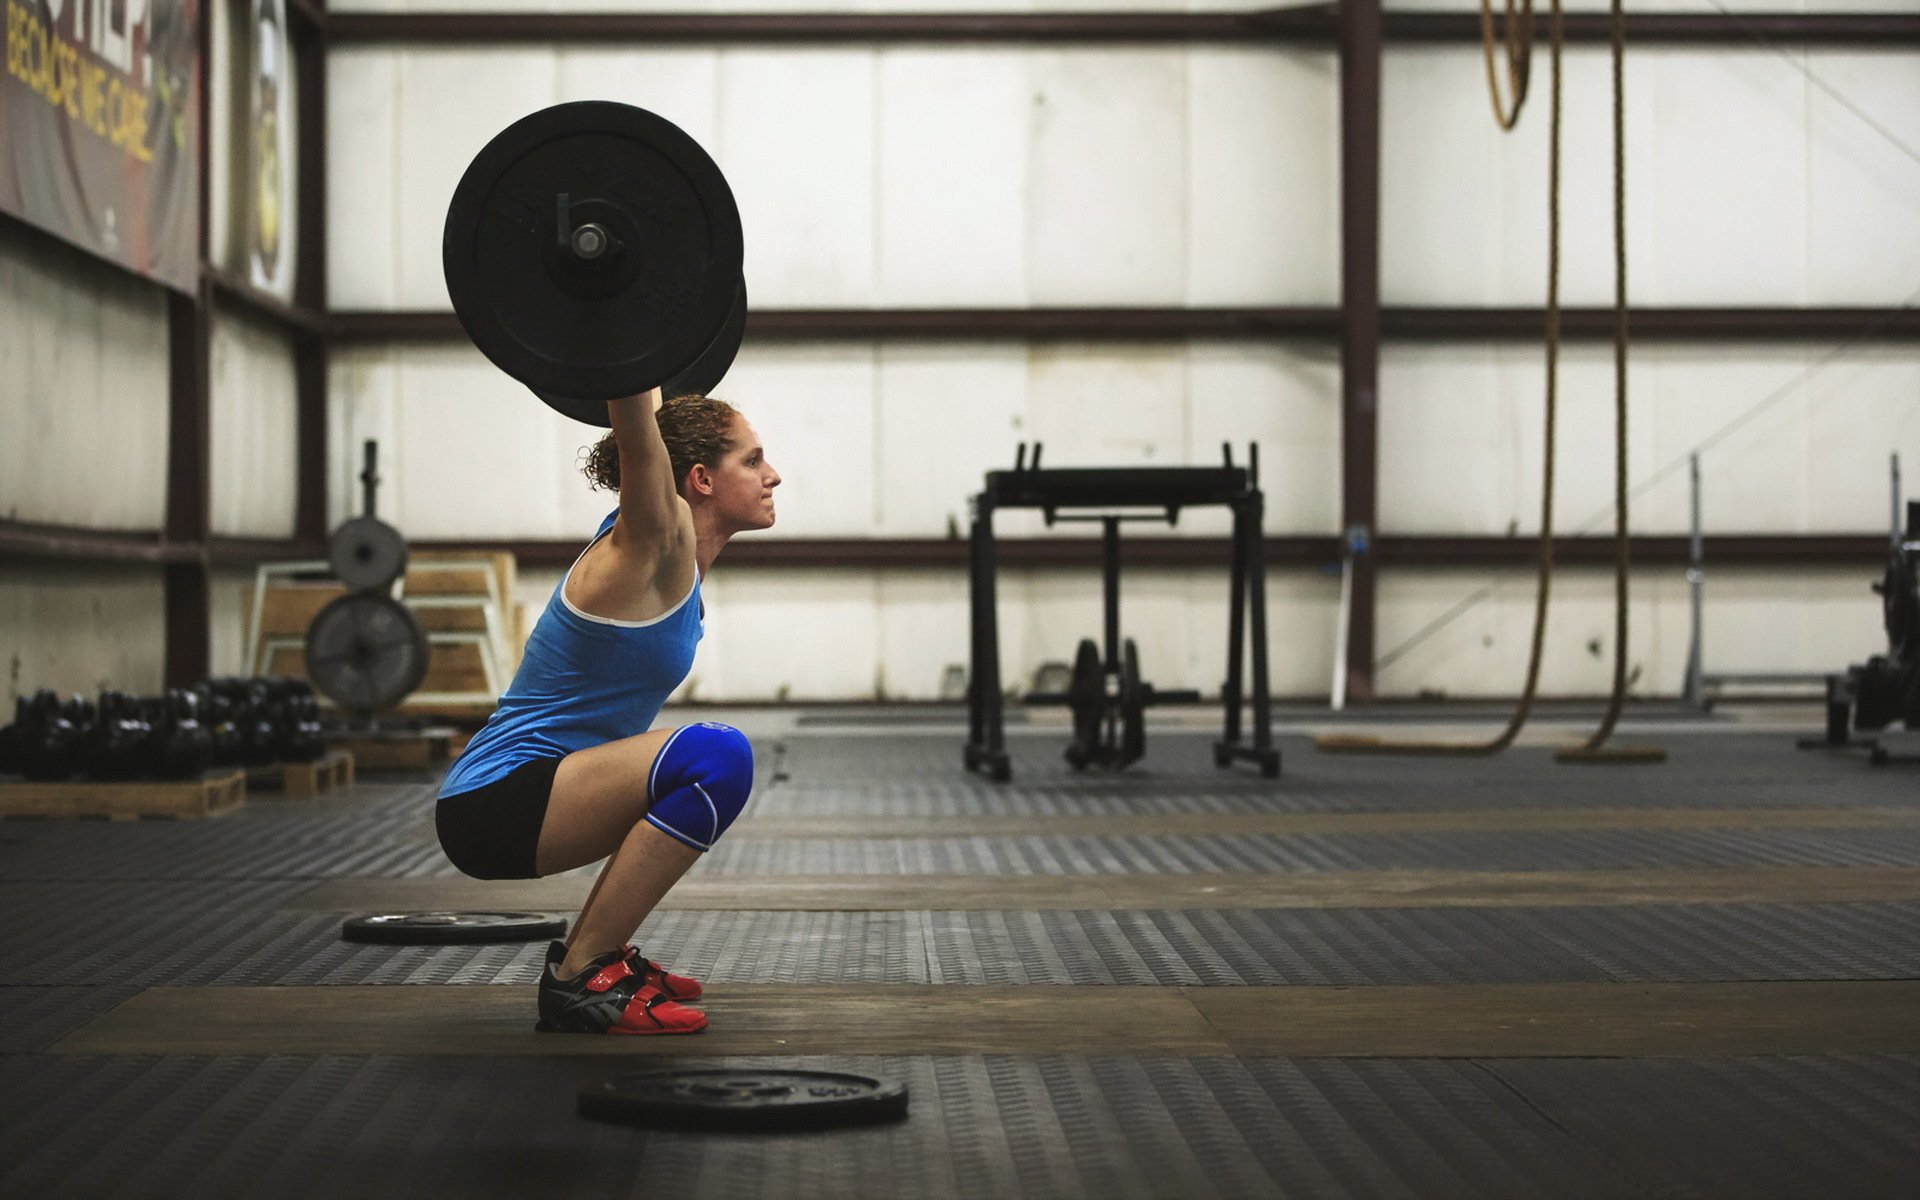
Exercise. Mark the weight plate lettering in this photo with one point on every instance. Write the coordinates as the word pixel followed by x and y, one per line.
pixel 452 928
pixel 592 250
pixel 744 1099
pixel 366 651
pixel 366 552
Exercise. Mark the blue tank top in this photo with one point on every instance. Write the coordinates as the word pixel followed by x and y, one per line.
pixel 583 681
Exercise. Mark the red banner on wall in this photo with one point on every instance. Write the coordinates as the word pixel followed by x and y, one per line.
pixel 100 129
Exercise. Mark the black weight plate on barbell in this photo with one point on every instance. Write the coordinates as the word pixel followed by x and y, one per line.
pixel 697 380
pixel 744 1100
pixel 1900 604
pixel 627 322
pixel 452 928
pixel 1133 706
pixel 711 367
pixel 366 552
pixel 366 651
pixel 1087 698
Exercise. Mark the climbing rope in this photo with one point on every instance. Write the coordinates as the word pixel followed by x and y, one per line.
pixel 1518 36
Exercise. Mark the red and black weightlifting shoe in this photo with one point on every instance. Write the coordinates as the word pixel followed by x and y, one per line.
pixel 677 987
pixel 613 995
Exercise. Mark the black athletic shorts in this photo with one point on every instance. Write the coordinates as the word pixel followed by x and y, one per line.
pixel 493 831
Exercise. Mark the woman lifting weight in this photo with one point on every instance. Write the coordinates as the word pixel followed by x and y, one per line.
pixel 568 770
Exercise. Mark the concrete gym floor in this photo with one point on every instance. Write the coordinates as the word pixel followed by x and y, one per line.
pixel 1370 977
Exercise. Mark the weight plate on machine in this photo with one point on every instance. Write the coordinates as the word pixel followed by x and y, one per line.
pixel 744 1099
pixel 366 552
pixel 452 928
pixel 1087 697
pixel 697 380
pixel 366 651
pixel 592 250
pixel 1133 706
pixel 1900 600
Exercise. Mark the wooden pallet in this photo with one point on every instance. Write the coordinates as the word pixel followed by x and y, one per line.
pixel 185 800
pixel 295 779
pixel 422 750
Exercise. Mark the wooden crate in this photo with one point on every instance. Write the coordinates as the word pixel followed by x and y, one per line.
pixel 185 800
pixel 418 751
pixel 295 779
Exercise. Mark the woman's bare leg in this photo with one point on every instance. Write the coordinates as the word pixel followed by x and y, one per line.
pixel 596 809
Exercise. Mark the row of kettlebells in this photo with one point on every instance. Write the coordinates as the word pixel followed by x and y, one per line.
pixel 223 721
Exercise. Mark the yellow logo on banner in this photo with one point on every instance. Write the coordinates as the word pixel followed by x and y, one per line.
pixel 69 76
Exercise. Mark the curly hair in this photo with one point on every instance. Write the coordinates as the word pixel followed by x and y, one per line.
pixel 695 429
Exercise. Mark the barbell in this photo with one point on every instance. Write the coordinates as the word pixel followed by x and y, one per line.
pixel 593 250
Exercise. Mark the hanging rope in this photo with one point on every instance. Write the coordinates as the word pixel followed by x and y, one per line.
pixel 1592 750
pixel 1359 744
pixel 1518 35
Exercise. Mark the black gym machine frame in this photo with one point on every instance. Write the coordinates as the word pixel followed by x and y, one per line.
pixel 1168 489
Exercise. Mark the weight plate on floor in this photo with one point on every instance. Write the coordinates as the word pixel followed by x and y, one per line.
pixel 366 651
pixel 630 308
pixel 452 928
pixel 366 552
pixel 744 1099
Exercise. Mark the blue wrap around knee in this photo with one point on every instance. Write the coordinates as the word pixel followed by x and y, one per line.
pixel 700 782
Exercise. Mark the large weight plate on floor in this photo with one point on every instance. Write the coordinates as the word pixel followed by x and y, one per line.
pixel 634 317
pixel 452 928
pixel 744 1099
pixel 366 651
pixel 366 552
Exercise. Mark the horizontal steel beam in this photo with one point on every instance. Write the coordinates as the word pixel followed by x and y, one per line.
pixel 1252 324
pixel 1860 30
pixel 1284 551
pixel 1313 25
pixel 1655 324
pixel 241 294
pixel 25 541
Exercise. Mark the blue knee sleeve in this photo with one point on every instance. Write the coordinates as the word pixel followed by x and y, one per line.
pixel 700 782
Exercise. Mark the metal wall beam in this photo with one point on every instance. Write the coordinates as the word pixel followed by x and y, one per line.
pixel 310 348
pixel 1360 51
pixel 1866 551
pixel 1310 25
pixel 1703 324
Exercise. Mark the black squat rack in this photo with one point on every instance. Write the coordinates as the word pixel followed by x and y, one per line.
pixel 1107 690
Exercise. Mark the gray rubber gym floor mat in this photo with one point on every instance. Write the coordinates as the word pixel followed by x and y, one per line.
pixel 208 945
pixel 1045 1127
pixel 1476 851
pixel 377 831
pixel 34 1018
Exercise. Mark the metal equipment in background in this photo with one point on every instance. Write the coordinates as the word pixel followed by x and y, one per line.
pixel 1704 686
pixel 1872 695
pixel 366 651
pixel 1107 695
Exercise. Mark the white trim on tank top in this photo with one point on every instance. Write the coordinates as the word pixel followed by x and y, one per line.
pixel 587 616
